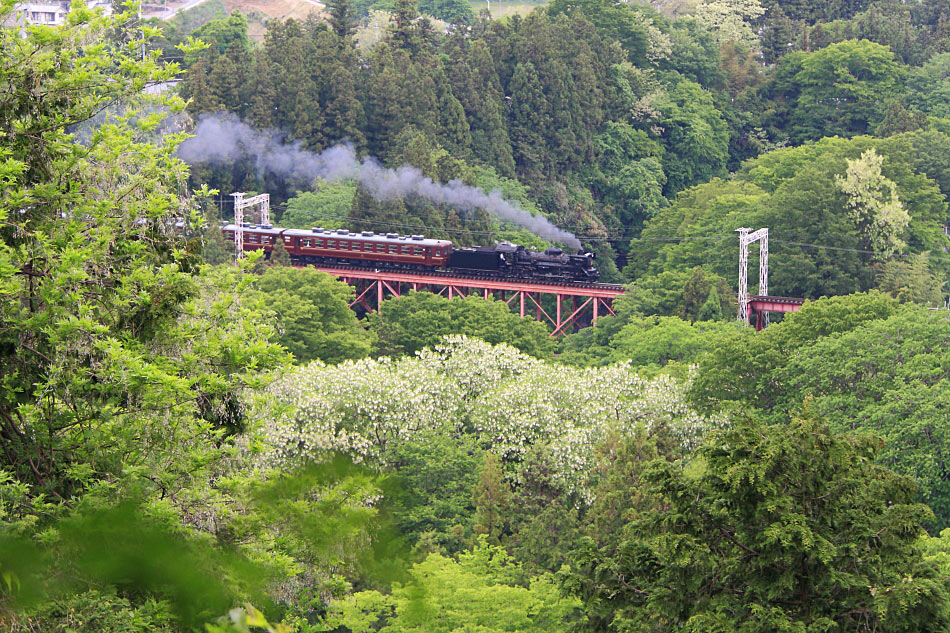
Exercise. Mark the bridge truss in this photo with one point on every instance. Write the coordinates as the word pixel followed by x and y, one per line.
pixel 566 307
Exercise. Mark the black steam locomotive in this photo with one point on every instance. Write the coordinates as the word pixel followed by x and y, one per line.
pixel 515 260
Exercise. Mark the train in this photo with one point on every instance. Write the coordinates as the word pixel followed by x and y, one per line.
pixel 340 247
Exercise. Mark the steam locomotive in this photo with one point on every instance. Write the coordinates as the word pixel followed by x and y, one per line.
pixel 339 247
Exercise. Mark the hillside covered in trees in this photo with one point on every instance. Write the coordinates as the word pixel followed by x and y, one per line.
pixel 189 443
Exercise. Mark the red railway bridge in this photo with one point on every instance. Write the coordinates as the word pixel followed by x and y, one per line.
pixel 565 306
pixel 760 305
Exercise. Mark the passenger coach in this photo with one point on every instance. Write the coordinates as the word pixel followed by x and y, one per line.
pixel 320 246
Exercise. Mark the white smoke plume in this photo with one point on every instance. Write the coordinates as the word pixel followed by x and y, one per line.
pixel 224 139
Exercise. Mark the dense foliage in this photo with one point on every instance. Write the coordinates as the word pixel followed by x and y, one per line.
pixel 409 324
pixel 187 444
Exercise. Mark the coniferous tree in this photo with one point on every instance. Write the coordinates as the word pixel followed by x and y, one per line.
pixel 344 111
pixel 196 88
pixel 454 132
pixel 404 31
pixel 529 117
pixel 279 255
pixel 778 35
pixel 343 20
pixel 216 250
pixel 228 79
pixel 711 310
pixel 492 499
pixel 484 107
pixel 262 106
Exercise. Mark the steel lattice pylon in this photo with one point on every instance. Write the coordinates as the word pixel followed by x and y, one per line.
pixel 239 205
pixel 746 238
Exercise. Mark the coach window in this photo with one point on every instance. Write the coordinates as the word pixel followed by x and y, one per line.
pixel 305 242
pixel 438 252
pixel 318 243
pixel 344 245
pixel 331 243
pixel 418 251
pixel 253 238
pixel 394 248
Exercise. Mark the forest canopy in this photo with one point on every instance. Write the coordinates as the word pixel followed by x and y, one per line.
pixel 193 441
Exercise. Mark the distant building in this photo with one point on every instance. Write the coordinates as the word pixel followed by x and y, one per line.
pixel 52 12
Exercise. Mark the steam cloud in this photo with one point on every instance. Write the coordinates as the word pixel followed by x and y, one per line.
pixel 224 139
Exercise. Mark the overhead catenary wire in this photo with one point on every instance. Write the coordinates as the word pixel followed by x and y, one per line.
pixel 621 238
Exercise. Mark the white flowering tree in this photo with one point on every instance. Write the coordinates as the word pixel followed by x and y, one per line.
pixel 873 203
pixel 506 399
pixel 731 20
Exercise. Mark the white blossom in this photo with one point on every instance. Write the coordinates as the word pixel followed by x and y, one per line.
pixel 507 400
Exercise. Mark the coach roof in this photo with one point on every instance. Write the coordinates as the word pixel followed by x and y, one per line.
pixel 391 238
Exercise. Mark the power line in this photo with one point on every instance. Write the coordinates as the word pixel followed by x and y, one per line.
pixel 624 238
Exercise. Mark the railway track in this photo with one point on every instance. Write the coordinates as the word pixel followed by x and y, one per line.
pixel 473 277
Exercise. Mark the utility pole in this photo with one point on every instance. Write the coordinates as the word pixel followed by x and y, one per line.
pixel 745 238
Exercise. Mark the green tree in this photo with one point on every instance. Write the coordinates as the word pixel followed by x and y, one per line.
pixel 740 368
pixel 891 384
pixel 313 314
pixel 100 308
pixel 912 280
pixel 404 30
pixel 928 87
pixel 695 136
pixel 793 192
pixel 528 119
pixel 492 500
pixel 125 364
pixel 342 18
pixel 873 203
pixel 215 249
pixel 731 20
pixel 481 592
pixel 412 322
pixel 629 174
pixel 222 34
pixel 327 207
pixel 770 528
pixel 433 505
pixel 711 309
pixel 279 255
pixel 898 119
pixel 485 110
pixel 451 11
pixel 657 341
pixel 844 89
pixel 626 23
